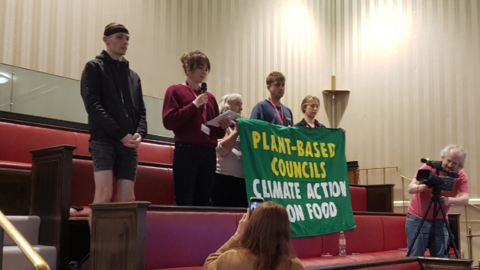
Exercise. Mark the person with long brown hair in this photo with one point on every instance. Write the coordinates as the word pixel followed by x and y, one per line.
pixel 185 111
pixel 261 242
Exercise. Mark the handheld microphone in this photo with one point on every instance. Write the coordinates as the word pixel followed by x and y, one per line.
pixel 432 163
pixel 203 90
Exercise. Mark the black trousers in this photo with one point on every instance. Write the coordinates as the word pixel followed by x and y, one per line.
pixel 229 191
pixel 194 173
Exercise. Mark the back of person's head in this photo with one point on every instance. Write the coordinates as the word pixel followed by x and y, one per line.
pixel 194 59
pixel 268 236
pixel 275 77
pixel 309 100
pixel 224 104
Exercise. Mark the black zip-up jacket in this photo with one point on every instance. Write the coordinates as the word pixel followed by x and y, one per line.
pixel 113 98
pixel 304 123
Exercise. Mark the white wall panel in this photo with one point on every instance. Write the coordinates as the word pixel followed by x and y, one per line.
pixel 245 40
pixel 412 68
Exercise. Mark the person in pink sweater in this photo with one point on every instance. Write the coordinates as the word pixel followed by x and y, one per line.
pixel 186 111
pixel 453 160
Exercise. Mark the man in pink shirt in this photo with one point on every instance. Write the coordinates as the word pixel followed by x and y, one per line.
pixel 453 159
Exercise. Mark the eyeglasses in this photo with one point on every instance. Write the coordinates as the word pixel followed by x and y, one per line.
pixel 313 105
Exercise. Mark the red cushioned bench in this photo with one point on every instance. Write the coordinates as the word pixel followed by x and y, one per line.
pixel 181 238
pixel 154 184
pixel 20 139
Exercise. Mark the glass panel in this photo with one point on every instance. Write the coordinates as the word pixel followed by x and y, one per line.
pixel 46 95
pixel 5 87
pixel 154 116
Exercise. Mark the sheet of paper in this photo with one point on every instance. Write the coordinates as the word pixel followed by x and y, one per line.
pixel 226 115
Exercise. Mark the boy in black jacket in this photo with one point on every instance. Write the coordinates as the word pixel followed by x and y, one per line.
pixel 113 98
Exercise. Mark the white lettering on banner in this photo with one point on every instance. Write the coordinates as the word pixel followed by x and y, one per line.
pixel 291 213
pixel 333 209
pixel 326 210
pixel 343 188
pixel 270 187
pixel 277 190
pixel 265 192
pixel 255 191
pixel 315 187
pixel 295 213
pixel 297 189
pixel 317 211
pixel 299 212
pixel 334 189
pixel 286 193
pixel 325 191
pixel 310 194
pixel 291 190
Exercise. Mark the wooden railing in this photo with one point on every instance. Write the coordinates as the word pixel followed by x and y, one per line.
pixel 402 177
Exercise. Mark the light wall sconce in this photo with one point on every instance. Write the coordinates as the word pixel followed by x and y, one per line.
pixel 3 79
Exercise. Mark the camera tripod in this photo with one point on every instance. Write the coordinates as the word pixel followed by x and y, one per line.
pixel 435 200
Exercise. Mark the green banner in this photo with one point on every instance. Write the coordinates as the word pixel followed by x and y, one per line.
pixel 304 169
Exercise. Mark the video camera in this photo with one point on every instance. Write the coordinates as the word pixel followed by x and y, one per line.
pixel 434 180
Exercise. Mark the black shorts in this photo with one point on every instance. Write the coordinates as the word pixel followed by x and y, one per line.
pixel 112 156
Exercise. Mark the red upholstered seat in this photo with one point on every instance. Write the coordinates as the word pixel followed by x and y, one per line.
pixel 83 186
pixel 82 144
pixel 399 238
pixel 306 247
pixel 155 185
pixel 15 165
pixel 185 239
pixel 159 153
pixel 358 196
pixel 366 237
pixel 24 138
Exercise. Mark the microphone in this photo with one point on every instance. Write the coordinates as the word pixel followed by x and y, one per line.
pixel 203 90
pixel 432 163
